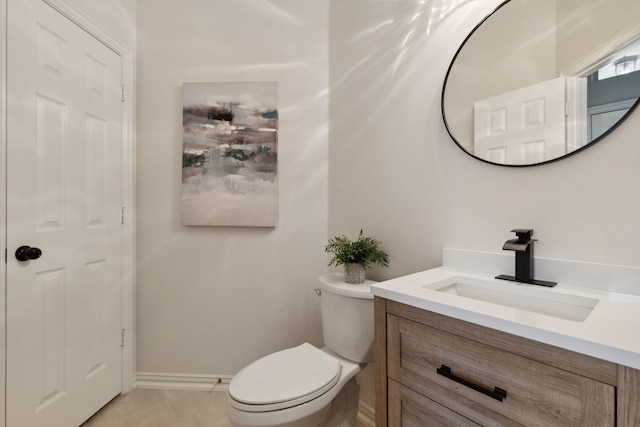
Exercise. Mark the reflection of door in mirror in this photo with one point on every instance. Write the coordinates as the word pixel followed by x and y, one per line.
pixel 523 126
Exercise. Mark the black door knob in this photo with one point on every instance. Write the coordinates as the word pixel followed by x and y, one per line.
pixel 25 253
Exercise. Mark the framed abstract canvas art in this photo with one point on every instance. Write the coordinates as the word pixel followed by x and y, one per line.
pixel 230 154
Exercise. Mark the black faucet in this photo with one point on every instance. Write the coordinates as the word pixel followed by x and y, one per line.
pixel 523 247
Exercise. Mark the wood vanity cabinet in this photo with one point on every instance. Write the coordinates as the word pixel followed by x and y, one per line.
pixel 434 370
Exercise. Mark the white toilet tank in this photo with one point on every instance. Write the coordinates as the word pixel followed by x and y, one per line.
pixel 347 317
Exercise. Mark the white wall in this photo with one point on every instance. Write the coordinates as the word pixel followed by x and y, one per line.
pixel 212 299
pixel 591 30
pixel 394 170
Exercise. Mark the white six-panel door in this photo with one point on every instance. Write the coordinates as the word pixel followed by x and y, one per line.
pixel 524 126
pixel 64 196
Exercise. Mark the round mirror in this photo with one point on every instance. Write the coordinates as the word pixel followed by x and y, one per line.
pixel 538 80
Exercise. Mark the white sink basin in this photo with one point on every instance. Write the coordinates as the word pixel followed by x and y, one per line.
pixel 523 297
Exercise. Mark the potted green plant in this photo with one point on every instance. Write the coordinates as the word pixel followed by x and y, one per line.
pixel 356 256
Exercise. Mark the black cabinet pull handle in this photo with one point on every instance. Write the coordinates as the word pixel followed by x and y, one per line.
pixel 496 393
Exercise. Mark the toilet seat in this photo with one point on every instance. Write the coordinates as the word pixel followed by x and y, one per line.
pixel 284 379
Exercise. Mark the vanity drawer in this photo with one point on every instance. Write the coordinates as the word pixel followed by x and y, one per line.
pixel 470 377
pixel 411 409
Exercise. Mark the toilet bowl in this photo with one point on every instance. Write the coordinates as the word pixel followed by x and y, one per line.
pixel 297 388
pixel 306 386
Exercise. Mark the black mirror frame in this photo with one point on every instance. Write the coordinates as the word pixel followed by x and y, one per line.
pixel 449 131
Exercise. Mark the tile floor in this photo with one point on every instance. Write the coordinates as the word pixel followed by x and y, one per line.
pixel 165 408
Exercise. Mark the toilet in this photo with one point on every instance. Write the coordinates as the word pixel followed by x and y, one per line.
pixel 306 386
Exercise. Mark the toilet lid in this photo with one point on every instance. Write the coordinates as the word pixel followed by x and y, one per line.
pixel 297 374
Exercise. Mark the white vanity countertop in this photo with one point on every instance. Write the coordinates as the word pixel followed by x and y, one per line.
pixel 610 332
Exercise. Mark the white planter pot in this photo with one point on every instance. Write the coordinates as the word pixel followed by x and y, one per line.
pixel 354 273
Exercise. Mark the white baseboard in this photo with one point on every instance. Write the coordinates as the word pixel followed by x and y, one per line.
pixel 366 415
pixel 181 381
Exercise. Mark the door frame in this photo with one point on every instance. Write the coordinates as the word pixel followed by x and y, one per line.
pixel 128 150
